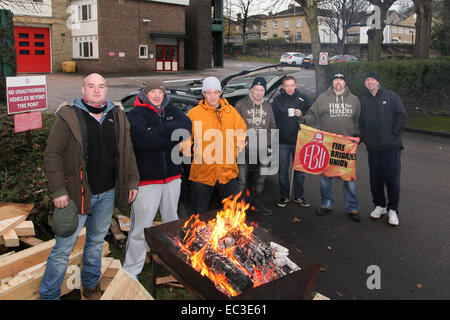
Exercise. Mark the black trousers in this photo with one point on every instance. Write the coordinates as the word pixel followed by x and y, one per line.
pixel 201 194
pixel 385 174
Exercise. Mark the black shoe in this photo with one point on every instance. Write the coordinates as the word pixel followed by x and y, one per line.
pixel 263 210
pixel 322 211
pixel 301 201
pixel 354 215
pixel 283 202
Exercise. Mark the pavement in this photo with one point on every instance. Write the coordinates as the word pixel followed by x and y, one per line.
pixel 412 258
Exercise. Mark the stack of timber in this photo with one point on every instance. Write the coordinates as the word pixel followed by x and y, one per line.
pixel 21 273
pixel 119 228
pixel 13 225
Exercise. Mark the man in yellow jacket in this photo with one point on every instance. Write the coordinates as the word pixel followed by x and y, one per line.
pixel 218 135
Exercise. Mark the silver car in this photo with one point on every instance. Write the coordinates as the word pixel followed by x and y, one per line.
pixel 294 58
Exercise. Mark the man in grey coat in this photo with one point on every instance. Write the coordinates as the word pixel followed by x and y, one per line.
pixel 259 118
pixel 337 111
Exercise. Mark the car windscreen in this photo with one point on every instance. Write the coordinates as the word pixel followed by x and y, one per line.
pixel 285 55
pixel 243 84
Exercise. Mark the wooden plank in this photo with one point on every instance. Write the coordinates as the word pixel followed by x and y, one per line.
pixel 319 296
pixel 25 229
pixel 29 289
pixel 12 210
pixel 125 287
pixel 112 269
pixel 10 239
pixel 24 259
pixel 30 241
pixel 9 224
pixel 124 223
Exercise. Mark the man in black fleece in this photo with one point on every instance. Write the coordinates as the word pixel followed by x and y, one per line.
pixel 288 108
pixel 152 122
pixel 383 118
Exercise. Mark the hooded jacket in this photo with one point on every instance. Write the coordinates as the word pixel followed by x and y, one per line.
pixel 151 132
pixel 289 126
pixel 383 118
pixel 66 167
pixel 335 113
pixel 256 116
pixel 215 149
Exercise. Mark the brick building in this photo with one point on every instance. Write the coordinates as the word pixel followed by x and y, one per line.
pixel 128 36
pixel 42 38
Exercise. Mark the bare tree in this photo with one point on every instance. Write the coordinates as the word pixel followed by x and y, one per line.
pixel 423 28
pixel 341 15
pixel 375 35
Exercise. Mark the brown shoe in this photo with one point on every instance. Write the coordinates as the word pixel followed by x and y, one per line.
pixel 91 294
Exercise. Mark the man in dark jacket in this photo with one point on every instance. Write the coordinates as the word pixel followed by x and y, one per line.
pixel 383 118
pixel 288 108
pixel 153 120
pixel 89 158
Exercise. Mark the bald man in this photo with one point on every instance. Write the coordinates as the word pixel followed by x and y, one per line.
pixel 89 159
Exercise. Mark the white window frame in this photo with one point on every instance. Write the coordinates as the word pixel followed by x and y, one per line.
pixel 275 24
pixel 88 12
pixel 299 23
pixel 286 23
pixel 141 46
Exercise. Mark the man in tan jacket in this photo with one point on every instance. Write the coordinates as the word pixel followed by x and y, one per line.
pixel 89 159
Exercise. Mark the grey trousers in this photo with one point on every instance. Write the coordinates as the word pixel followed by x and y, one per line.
pixel 143 211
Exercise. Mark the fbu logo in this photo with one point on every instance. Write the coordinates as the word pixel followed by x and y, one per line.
pixel 314 156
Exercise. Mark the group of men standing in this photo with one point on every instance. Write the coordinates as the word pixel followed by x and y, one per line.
pixel 97 154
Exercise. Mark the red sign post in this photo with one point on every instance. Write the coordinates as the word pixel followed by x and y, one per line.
pixel 25 96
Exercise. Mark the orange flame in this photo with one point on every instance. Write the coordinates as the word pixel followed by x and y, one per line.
pixel 231 219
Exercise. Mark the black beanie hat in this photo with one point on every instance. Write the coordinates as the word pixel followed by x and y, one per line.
pixel 371 75
pixel 259 81
pixel 339 75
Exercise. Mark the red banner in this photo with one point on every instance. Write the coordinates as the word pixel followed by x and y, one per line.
pixel 324 153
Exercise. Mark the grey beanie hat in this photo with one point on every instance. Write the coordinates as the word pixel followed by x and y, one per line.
pixel 211 83
pixel 65 220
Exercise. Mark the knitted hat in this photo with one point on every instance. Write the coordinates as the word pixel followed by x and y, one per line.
pixel 65 220
pixel 211 83
pixel 153 84
pixel 259 81
pixel 339 75
pixel 371 75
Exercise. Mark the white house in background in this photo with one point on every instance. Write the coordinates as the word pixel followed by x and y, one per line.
pixel 84 26
pixel 396 31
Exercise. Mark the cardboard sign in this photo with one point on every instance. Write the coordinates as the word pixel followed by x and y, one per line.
pixel 324 153
pixel 27 121
pixel 24 94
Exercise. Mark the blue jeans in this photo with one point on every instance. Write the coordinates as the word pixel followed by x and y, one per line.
pixel 286 152
pixel 350 194
pixel 97 225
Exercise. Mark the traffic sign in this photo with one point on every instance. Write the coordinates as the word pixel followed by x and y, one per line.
pixel 323 58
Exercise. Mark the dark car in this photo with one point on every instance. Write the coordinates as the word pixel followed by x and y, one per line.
pixel 343 58
pixel 308 62
pixel 234 87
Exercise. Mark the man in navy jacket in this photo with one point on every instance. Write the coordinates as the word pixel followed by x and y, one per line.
pixel 152 122
pixel 288 107
pixel 382 120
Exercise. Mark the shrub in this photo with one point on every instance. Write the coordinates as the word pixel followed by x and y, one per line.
pixel 403 77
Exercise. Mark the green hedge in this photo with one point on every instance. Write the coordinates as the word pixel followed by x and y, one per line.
pixel 404 77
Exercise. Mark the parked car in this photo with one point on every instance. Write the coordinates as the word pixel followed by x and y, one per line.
pixel 292 58
pixel 343 58
pixel 308 62
pixel 235 87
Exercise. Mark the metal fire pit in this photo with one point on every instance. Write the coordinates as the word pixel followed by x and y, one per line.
pixel 295 285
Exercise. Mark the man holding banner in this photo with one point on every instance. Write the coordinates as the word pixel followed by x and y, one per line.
pixel 332 153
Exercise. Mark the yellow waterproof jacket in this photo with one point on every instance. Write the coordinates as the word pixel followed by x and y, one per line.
pixel 218 135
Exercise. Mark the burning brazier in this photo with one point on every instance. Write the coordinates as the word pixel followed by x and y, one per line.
pixel 217 255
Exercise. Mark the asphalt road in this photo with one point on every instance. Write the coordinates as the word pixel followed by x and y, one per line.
pixel 413 258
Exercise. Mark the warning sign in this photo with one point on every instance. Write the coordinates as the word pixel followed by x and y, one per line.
pixel 24 94
pixel 27 121
pixel 323 58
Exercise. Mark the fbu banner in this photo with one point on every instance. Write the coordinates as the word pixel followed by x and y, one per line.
pixel 320 152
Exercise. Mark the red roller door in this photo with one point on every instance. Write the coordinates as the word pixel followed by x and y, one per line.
pixel 33 49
